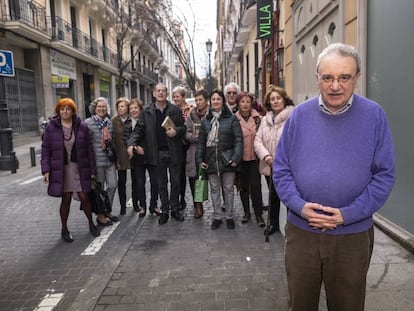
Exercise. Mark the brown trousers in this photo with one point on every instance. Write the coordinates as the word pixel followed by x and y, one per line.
pixel 340 262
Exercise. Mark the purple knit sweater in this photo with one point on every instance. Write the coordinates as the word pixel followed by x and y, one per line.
pixel 344 161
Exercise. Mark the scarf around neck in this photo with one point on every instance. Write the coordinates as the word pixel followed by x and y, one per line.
pixel 102 124
pixel 212 138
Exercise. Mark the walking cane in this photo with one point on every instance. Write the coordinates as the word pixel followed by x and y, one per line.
pixel 267 225
pixel 269 207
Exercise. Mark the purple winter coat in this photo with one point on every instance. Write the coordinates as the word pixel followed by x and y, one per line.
pixel 53 155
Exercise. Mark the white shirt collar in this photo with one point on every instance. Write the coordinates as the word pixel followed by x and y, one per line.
pixel 324 108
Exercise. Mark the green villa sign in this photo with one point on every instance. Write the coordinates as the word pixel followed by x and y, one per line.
pixel 264 19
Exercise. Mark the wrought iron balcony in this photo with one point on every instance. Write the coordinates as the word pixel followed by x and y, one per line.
pixel 61 30
pixel 28 12
pixel 148 38
pixel 146 72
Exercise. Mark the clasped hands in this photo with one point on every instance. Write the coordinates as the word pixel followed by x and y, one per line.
pixel 138 150
pixel 329 219
pixel 231 163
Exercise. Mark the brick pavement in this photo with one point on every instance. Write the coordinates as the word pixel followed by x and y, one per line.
pixel 188 266
pixel 34 261
pixel 144 266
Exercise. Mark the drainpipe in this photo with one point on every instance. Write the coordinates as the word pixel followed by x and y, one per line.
pixel 275 45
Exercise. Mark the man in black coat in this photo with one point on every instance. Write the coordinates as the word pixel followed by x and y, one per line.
pixel 162 148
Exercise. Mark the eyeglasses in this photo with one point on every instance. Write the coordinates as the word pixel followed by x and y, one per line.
pixel 342 79
pixel 231 93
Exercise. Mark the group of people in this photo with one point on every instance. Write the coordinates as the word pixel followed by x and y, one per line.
pixel 330 160
pixel 234 149
pixel 219 138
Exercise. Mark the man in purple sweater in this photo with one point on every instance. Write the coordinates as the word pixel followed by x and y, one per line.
pixel 334 168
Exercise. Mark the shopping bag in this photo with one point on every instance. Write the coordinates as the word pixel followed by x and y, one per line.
pixel 100 199
pixel 200 187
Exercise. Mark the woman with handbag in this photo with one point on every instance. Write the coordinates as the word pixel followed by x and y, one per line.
pixel 279 107
pixel 100 127
pixel 122 164
pixel 219 151
pixel 68 162
pixel 193 124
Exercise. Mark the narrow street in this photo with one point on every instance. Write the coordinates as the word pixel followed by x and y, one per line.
pixel 139 265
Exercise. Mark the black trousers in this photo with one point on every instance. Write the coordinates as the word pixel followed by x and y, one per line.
pixel 274 202
pixel 250 186
pixel 183 177
pixel 168 171
pixel 122 177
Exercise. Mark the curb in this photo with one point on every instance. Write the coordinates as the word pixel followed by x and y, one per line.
pixel 400 235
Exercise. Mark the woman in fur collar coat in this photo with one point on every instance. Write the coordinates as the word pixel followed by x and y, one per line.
pixel 279 107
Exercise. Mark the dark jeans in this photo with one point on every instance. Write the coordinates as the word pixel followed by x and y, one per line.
pixel 165 168
pixel 250 186
pixel 138 185
pixel 340 262
pixel 274 203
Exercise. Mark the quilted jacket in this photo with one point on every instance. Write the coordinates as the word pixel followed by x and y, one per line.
pixel 53 155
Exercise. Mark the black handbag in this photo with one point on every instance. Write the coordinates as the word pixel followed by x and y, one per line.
pixel 110 152
pixel 100 199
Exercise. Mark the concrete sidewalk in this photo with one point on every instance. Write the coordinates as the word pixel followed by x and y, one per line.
pixel 21 146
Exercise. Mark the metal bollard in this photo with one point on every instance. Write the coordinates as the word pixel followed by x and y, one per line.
pixel 13 162
pixel 33 156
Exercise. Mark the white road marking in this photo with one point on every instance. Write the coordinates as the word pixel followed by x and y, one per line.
pixel 129 203
pixel 49 302
pixel 99 241
pixel 154 283
pixel 30 180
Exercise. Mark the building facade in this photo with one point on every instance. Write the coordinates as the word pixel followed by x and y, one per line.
pixel 379 30
pixel 79 49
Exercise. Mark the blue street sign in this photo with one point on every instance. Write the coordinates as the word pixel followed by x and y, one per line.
pixel 6 63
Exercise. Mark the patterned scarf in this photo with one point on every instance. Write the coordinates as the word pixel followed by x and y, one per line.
pixel 212 138
pixel 102 124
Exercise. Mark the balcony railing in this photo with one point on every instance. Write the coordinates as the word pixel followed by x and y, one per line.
pixel 33 14
pixel 61 30
pixel 151 41
pixel 145 71
pixel 25 11
pixel 113 4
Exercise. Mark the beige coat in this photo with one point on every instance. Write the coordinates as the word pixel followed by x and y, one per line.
pixel 268 136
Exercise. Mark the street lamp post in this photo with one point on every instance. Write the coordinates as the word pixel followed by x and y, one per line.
pixel 209 46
